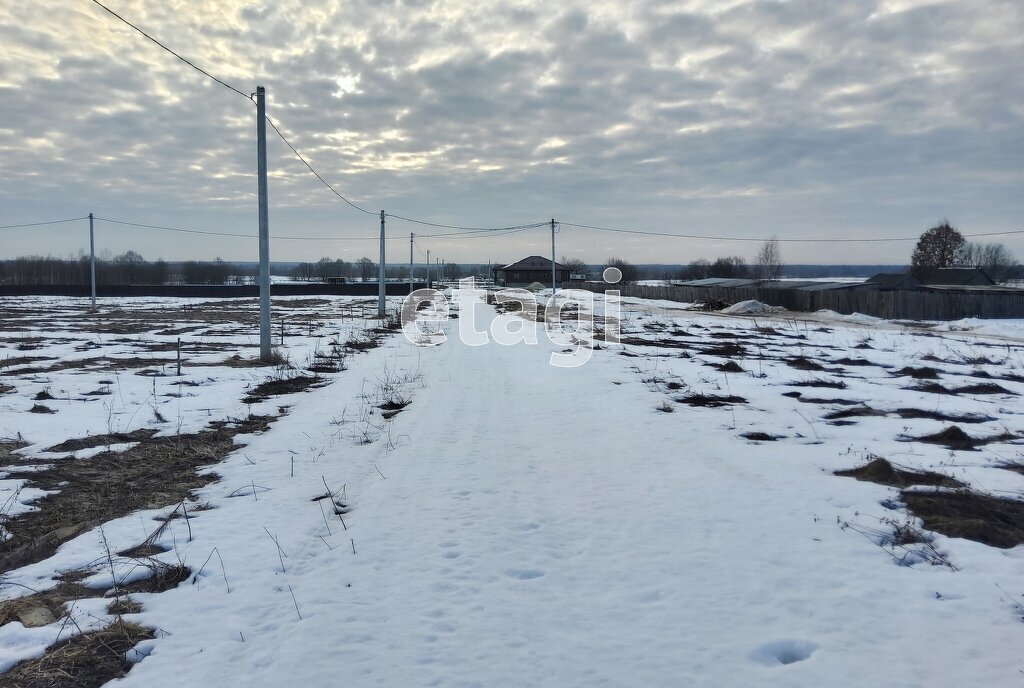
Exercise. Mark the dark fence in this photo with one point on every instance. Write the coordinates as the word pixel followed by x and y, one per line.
pixel 893 305
pixel 217 291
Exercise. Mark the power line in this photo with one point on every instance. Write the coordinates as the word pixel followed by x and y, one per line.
pixel 205 232
pixel 234 234
pixel 788 240
pixel 191 64
pixel 468 229
pixel 315 173
pixel 50 222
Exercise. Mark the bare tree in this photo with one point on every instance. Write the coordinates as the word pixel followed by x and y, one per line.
pixel 575 265
pixel 629 271
pixel 995 259
pixel 366 268
pixel 769 260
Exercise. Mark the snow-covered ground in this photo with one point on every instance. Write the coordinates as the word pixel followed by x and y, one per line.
pixel 522 524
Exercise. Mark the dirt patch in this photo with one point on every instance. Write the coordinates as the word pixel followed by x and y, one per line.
pixel 922 373
pixel 854 362
pixel 978 388
pixel 6 389
pixel 710 400
pixel 880 471
pixel 40 408
pixel 390 409
pixel 15 361
pixel 855 412
pixel 88 660
pixel 157 472
pixel 817 400
pixel 103 440
pixel 289 385
pixel 760 436
pixel 955 438
pixel 989 520
pixel 803 363
pixel 911 413
pixel 728 367
pixel 818 382
pixel 661 343
pixel 724 350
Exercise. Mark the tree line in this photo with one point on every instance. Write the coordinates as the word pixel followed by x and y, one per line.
pixel 127 268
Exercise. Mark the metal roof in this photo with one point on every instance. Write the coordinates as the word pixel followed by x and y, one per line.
pixel 533 263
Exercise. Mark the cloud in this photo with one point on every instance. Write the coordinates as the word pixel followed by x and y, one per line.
pixel 802 118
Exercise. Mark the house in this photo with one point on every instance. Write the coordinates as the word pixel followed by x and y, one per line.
pixel 529 270
pixel 959 277
pixel 893 281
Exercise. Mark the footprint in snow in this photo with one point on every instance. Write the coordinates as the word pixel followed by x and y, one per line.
pixel 524 574
pixel 780 652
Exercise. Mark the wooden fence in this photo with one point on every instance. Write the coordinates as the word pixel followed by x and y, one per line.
pixel 892 305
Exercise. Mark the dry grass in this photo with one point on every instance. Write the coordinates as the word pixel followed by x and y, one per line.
pixel 88 492
pixel 88 660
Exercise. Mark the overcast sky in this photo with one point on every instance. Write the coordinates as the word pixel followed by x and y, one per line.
pixel 802 118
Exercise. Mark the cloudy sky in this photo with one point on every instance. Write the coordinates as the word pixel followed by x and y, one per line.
pixel 801 118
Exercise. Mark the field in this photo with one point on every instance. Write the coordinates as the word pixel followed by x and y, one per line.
pixel 711 500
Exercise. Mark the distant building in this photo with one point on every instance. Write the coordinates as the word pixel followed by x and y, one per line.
pixel 529 270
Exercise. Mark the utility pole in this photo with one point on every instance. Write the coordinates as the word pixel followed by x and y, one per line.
pixel 92 262
pixel 412 237
pixel 429 285
pixel 380 273
pixel 261 182
pixel 553 285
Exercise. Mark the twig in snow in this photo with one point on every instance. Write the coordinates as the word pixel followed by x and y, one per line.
pixel 280 552
pixel 324 514
pixel 223 571
pixel 381 474
pixel 295 603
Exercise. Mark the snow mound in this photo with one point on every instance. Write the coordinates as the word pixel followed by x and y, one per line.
pixel 751 307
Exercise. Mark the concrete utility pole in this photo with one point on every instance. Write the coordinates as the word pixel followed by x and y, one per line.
pixel 261 182
pixel 429 285
pixel 380 273
pixel 412 237
pixel 553 285
pixel 92 262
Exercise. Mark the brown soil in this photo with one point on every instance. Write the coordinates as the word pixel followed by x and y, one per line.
pixel 288 385
pixel 103 440
pixel 710 400
pixel 831 384
pixel 803 363
pixel 760 436
pixel 880 471
pixel 855 412
pixel 910 413
pixel 978 388
pixel 955 438
pixel 989 520
pixel 923 373
pixel 854 362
